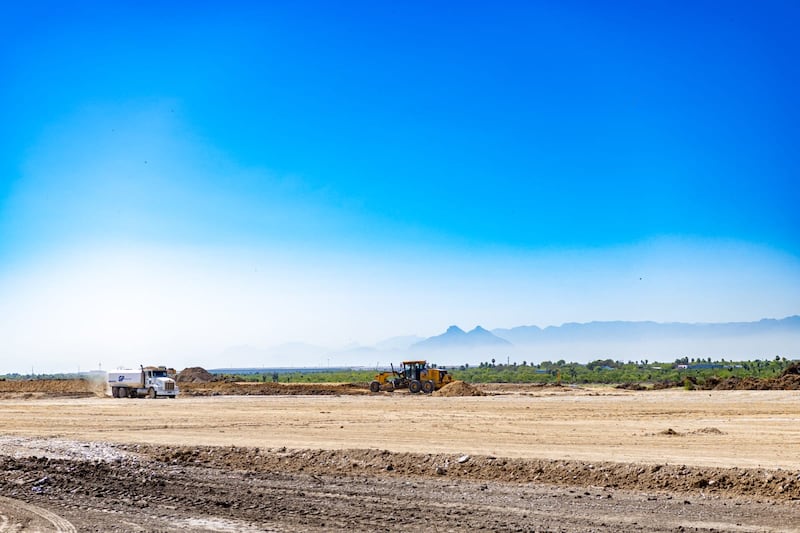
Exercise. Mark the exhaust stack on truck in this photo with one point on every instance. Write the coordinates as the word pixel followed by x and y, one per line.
pixel 149 381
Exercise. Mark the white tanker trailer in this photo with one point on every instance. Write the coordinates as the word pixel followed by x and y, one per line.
pixel 149 381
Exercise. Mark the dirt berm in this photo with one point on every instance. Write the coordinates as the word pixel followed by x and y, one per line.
pixel 194 374
pixel 44 388
pixel 458 388
pixel 760 483
pixel 785 382
pixel 788 380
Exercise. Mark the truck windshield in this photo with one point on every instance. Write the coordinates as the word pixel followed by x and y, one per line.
pixel 159 373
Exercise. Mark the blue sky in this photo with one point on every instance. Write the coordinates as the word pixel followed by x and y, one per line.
pixel 328 173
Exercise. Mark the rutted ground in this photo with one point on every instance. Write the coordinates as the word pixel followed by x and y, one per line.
pixel 142 488
pixel 539 459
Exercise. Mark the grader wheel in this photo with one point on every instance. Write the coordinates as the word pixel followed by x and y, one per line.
pixel 414 386
pixel 375 386
pixel 428 387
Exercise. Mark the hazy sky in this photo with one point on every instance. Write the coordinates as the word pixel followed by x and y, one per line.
pixel 178 178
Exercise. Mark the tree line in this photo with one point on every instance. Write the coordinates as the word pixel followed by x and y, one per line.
pixel 601 371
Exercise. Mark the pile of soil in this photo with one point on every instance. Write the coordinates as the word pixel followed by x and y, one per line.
pixel 458 388
pixel 632 386
pixel 707 431
pixel 194 374
pixel 44 388
pixel 665 384
pixel 792 370
pixel 787 381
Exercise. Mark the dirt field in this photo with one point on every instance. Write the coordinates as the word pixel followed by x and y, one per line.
pixel 518 459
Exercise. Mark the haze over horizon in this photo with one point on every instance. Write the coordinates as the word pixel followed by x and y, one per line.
pixel 175 182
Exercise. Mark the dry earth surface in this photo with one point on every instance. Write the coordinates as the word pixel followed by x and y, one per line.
pixel 333 458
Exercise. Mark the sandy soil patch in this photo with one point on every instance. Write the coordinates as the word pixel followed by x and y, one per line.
pixel 758 429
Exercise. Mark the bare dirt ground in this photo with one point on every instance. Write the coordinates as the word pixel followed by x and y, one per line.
pixel 519 459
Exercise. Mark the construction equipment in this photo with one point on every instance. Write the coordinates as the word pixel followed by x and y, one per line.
pixel 416 376
pixel 149 381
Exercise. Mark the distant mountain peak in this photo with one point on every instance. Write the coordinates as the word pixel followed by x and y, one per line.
pixel 456 337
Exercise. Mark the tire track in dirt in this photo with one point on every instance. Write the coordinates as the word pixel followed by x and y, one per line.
pixel 16 515
pixel 761 483
pixel 181 488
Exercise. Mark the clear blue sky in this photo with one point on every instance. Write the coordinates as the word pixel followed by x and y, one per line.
pixel 381 169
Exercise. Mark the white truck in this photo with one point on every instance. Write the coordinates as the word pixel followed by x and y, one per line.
pixel 149 381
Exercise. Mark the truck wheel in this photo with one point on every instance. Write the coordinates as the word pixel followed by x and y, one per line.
pixel 375 386
pixel 151 393
pixel 115 392
pixel 414 386
pixel 428 387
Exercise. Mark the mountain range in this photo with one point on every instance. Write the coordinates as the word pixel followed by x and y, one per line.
pixel 620 330
pixel 579 342
pixel 456 337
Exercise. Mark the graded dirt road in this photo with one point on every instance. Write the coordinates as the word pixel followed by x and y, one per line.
pixel 565 459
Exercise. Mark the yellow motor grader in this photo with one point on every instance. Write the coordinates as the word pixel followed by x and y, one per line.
pixel 413 375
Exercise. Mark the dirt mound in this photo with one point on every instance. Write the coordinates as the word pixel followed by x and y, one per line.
pixel 631 386
pixel 787 381
pixel 194 374
pixel 708 431
pixel 43 388
pixel 665 384
pixel 793 369
pixel 458 388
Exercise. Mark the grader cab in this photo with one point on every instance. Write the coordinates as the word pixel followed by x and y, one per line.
pixel 416 376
